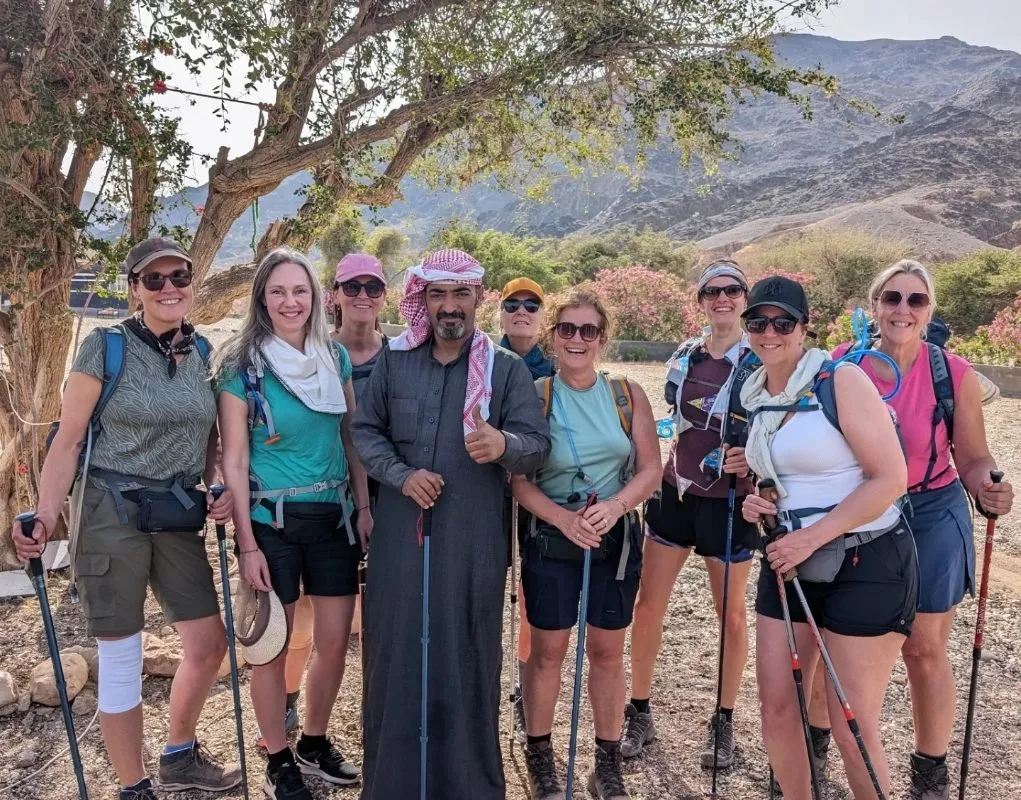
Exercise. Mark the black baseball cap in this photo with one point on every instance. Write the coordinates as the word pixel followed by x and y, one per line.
pixel 144 253
pixel 780 292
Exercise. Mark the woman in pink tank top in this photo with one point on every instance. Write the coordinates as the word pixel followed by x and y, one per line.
pixel 946 458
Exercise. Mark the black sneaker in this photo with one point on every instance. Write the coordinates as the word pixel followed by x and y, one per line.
pixel 518 711
pixel 724 728
pixel 143 790
pixel 820 749
pixel 639 730
pixel 286 784
pixel 930 779
pixel 326 763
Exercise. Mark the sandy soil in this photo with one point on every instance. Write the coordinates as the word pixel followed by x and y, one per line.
pixel 684 690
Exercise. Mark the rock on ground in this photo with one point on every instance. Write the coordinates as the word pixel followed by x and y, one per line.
pixel 84 704
pixel 43 684
pixel 91 656
pixel 8 689
pixel 158 658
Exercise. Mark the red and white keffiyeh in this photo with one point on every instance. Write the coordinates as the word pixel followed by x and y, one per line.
pixel 449 266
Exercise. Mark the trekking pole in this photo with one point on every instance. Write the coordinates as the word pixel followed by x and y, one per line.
pixel 27 520
pixel 852 721
pixel 423 538
pixel 980 633
pixel 767 490
pixel 718 717
pixel 579 660
pixel 216 490
pixel 515 678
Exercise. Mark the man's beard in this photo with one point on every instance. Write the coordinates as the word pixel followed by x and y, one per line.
pixel 451 332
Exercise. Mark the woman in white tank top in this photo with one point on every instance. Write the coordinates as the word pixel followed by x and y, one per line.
pixel 840 483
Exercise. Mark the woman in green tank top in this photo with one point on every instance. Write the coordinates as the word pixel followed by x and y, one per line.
pixel 592 454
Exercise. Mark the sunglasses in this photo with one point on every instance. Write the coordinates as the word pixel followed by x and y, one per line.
pixel 733 291
pixel 372 288
pixel 782 325
pixel 155 281
pixel 588 331
pixel 514 303
pixel 892 299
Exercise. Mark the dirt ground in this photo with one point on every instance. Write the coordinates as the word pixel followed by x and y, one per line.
pixel 684 690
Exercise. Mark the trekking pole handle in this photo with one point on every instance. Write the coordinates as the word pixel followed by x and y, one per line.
pixel 996 476
pixel 216 490
pixel 767 491
pixel 27 520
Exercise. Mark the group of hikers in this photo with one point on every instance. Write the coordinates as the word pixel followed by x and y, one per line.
pixel 435 456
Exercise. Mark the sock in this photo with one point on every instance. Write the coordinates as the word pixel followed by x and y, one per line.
pixel 309 743
pixel 540 739
pixel 292 699
pixel 727 714
pixel 820 733
pixel 145 783
pixel 172 749
pixel 607 745
pixel 935 759
pixel 277 760
pixel 641 706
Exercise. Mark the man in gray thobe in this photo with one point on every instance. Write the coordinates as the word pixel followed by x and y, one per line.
pixel 444 418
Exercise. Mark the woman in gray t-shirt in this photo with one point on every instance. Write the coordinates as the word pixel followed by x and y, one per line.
pixel 158 431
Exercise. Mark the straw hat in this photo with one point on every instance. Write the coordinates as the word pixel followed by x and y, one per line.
pixel 260 625
pixel 990 391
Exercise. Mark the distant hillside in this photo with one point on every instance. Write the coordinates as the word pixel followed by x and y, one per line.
pixel 948 179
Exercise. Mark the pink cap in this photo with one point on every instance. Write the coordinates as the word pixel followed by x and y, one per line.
pixel 354 265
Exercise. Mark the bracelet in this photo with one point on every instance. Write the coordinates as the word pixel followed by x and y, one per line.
pixel 362 508
pixel 626 509
pixel 246 552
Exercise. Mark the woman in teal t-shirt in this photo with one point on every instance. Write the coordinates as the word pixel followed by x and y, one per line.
pixel 285 399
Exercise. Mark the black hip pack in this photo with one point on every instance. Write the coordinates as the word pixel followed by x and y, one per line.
pixel 308 523
pixel 552 543
pixel 168 505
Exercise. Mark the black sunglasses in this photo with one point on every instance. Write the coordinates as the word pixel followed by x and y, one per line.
pixel 155 281
pixel 513 304
pixel 732 290
pixel 892 299
pixel 353 288
pixel 588 331
pixel 782 325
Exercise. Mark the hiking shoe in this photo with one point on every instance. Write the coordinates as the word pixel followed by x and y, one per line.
pixel 821 753
pixel 290 726
pixel 326 763
pixel 725 758
pixel 929 779
pixel 518 711
pixel 607 779
pixel 195 769
pixel 543 783
pixel 639 730
pixel 286 784
pixel 143 790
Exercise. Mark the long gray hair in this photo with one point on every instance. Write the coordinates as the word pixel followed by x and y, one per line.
pixel 237 352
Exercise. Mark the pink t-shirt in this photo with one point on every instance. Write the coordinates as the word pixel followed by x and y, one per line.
pixel 915 404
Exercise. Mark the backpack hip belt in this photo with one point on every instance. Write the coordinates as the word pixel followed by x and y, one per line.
pixel 792 521
pixel 277 497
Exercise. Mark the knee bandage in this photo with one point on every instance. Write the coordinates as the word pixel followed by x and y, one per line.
pixel 120 674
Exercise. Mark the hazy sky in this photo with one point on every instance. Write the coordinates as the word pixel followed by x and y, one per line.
pixel 996 23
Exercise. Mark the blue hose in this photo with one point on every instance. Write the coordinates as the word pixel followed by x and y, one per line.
pixel 860 349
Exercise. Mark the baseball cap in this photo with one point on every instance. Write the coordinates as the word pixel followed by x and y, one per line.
pixel 354 265
pixel 780 292
pixel 522 285
pixel 144 253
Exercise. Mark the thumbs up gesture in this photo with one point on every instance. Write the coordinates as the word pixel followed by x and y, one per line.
pixel 485 444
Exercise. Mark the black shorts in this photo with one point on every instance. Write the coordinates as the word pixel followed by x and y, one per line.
pixel 877 595
pixel 311 552
pixel 699 522
pixel 552 588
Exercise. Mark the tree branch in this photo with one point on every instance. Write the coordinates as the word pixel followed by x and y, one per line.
pixel 216 295
pixel 25 192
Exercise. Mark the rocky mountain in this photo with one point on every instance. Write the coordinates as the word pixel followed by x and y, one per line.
pixel 947 179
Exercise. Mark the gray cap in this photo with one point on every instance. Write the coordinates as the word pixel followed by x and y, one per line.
pixel 144 253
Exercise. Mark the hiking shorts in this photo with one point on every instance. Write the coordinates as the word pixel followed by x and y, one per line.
pixel 115 563
pixel 941 522
pixel 311 552
pixel 552 588
pixel 878 595
pixel 699 522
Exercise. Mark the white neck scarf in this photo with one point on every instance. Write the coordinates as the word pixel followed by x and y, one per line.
pixel 765 425
pixel 312 376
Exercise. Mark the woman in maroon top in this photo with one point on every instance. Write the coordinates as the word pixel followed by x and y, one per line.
pixel 692 512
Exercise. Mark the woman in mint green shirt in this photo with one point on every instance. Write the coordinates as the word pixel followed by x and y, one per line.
pixel 591 454
pixel 285 400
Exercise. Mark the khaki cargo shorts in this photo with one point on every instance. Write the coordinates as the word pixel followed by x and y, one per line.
pixel 115 562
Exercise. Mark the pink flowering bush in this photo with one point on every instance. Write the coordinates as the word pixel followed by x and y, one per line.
pixel 1005 329
pixel 999 342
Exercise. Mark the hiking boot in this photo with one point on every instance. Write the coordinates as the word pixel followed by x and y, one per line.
pixel 143 790
pixel 821 753
pixel 543 783
pixel 929 779
pixel 195 769
pixel 290 726
pixel 286 784
pixel 518 712
pixel 725 758
pixel 327 763
pixel 639 730
pixel 607 779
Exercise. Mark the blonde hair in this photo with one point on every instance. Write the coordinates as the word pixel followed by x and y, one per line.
pixel 905 266
pixel 579 298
